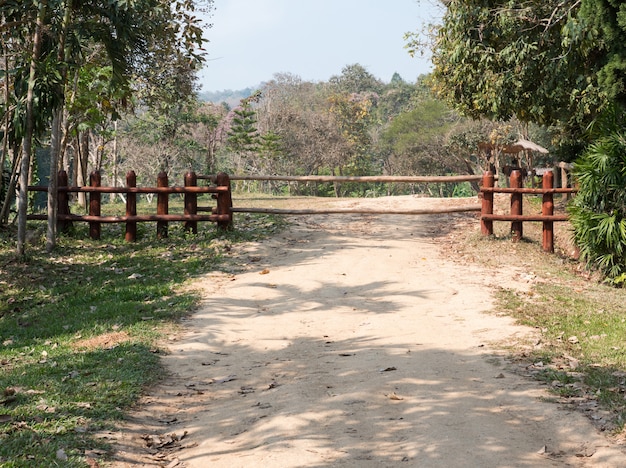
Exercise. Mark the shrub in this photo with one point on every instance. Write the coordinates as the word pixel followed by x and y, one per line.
pixel 598 212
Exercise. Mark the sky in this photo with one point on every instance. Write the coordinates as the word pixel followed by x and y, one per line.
pixel 251 40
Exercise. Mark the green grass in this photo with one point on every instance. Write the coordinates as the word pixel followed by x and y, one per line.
pixel 586 323
pixel 580 320
pixel 79 330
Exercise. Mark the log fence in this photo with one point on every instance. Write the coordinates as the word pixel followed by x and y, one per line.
pixel 220 214
pixel 517 216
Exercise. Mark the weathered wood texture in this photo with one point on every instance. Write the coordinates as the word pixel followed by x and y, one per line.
pixel 516 216
pixel 222 215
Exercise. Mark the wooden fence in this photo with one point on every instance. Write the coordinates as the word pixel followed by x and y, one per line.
pixel 516 216
pixel 220 214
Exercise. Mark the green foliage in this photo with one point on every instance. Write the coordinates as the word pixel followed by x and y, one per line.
pixel 412 143
pixel 544 62
pixel 355 79
pixel 243 136
pixel 598 212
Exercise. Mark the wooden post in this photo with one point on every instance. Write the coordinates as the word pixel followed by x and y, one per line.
pixel 94 205
pixel 488 181
pixel 191 202
pixel 547 209
pixel 224 201
pixel 517 229
pixel 131 207
pixel 63 206
pixel 162 205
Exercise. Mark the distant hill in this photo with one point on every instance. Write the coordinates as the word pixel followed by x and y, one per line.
pixel 228 96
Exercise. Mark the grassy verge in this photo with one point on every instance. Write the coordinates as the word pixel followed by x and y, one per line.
pixel 79 331
pixel 581 352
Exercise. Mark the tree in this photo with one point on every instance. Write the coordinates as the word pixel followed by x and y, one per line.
pixel 413 143
pixel 544 62
pixel 555 62
pixel 62 31
pixel 356 79
pixel 210 129
pixel 243 137
pixel 298 112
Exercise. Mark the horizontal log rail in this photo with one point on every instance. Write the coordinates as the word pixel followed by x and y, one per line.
pixel 360 179
pixel 355 179
pixel 426 211
pixel 155 190
pixel 523 218
pixel 528 191
pixel 134 219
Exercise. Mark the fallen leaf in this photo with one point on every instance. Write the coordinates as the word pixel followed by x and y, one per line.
pixel 262 405
pixel 393 396
pixel 7 400
pixel 156 441
pixel 586 452
pixel 135 276
pixel 61 455
pixel 264 272
pixel 230 378
pixel 168 420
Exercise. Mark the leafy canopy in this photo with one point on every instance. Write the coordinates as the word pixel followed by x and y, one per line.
pixel 542 61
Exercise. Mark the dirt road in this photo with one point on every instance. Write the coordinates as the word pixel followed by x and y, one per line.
pixel 350 343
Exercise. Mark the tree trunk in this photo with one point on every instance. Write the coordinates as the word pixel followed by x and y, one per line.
pixel 22 206
pixel 4 214
pixel 6 120
pixel 82 163
pixel 53 193
pixel 56 140
pixel 115 168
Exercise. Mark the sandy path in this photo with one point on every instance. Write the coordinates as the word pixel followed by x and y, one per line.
pixel 343 345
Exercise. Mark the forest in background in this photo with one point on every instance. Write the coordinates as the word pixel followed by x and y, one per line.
pixel 353 124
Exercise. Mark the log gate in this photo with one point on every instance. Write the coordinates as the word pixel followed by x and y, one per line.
pixel 516 216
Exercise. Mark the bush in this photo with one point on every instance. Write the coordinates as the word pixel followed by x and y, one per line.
pixel 598 212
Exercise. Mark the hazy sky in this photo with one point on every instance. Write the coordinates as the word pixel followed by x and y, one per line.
pixel 251 40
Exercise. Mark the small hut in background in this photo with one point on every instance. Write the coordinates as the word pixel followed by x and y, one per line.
pixel 522 152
